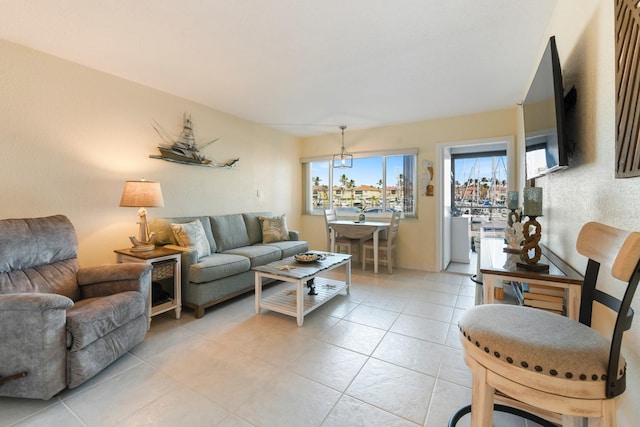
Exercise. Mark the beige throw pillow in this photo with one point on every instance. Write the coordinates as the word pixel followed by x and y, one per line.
pixel 191 234
pixel 274 229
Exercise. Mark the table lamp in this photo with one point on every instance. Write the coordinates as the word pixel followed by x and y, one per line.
pixel 142 194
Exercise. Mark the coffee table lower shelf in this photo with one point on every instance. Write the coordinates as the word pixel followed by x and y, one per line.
pixel 285 301
pixel 300 299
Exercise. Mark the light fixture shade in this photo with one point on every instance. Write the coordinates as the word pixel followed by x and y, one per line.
pixel 343 159
pixel 142 194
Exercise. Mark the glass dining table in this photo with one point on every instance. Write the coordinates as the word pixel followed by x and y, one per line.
pixel 359 230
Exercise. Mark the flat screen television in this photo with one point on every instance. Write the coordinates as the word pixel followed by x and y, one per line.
pixel 546 144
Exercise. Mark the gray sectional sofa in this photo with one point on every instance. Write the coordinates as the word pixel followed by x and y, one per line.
pixel 236 245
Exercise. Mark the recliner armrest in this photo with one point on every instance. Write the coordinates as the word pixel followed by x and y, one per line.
pixel 34 302
pixel 32 340
pixel 113 278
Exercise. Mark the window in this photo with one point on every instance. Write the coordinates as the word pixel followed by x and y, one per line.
pixel 479 186
pixel 377 183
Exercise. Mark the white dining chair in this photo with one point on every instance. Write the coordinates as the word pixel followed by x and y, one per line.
pixel 341 243
pixel 386 246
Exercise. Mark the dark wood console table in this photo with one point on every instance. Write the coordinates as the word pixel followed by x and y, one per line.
pixel 560 274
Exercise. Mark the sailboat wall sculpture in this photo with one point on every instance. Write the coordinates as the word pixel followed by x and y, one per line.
pixel 184 148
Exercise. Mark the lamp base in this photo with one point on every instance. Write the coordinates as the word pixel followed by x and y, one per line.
pixel 142 248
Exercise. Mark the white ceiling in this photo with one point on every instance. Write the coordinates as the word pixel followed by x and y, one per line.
pixel 302 66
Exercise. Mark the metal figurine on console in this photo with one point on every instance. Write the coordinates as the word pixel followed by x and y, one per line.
pixel 532 230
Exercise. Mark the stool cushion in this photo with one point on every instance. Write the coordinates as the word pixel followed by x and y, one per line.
pixel 539 341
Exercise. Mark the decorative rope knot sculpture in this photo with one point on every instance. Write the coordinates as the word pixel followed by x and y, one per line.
pixel 531 231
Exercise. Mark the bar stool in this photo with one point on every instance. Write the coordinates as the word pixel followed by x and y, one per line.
pixel 545 365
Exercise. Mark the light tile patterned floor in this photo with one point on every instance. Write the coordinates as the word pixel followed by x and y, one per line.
pixel 387 354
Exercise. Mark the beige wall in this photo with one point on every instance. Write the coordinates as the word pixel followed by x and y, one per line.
pixel 588 191
pixel 417 237
pixel 71 136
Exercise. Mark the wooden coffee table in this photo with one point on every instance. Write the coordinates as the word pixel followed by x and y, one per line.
pixel 296 301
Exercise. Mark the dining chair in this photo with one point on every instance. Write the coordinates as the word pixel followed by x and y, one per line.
pixel 341 243
pixel 542 364
pixel 386 245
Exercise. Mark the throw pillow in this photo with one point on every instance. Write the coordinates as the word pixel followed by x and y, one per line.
pixel 191 234
pixel 274 229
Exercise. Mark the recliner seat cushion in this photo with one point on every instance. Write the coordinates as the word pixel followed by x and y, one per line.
pixel 539 341
pixel 93 318
pixel 218 266
pixel 85 363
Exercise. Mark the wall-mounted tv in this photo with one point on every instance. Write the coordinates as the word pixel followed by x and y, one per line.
pixel 544 118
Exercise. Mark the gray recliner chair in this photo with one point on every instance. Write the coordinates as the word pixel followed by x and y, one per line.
pixel 61 324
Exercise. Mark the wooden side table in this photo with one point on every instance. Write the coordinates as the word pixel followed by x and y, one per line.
pixel 166 263
pixel 560 274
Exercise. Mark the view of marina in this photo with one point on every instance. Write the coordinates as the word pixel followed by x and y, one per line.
pixel 373 185
pixel 480 187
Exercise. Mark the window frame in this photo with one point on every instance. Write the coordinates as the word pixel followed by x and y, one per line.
pixel 473 155
pixel 308 189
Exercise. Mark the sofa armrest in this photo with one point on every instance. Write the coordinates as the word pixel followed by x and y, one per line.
pixel 294 235
pixel 188 258
pixel 113 278
pixel 33 341
pixel 189 254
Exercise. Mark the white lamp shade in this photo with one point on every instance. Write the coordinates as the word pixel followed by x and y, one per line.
pixel 142 194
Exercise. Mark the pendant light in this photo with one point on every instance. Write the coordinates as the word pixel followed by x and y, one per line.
pixel 342 160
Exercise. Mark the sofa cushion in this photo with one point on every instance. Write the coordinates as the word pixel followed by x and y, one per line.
pixel 229 231
pixel 274 229
pixel 254 227
pixel 164 232
pixel 93 318
pixel 218 266
pixel 290 247
pixel 191 234
pixel 258 254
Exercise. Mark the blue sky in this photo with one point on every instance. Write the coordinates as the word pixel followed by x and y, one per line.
pixel 368 171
